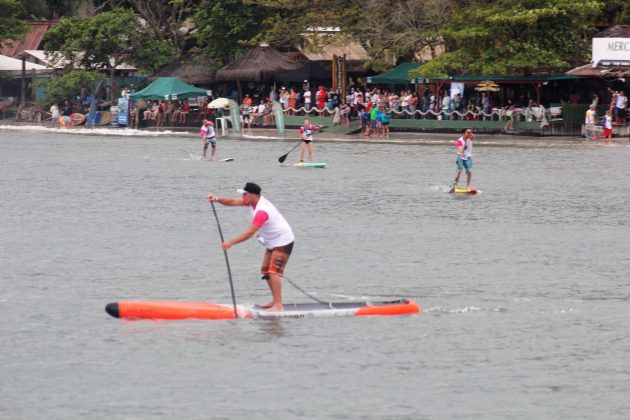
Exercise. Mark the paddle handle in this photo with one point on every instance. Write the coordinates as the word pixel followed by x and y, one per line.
pixel 227 261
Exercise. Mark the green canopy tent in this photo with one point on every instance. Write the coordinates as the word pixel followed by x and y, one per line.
pixel 399 75
pixel 168 88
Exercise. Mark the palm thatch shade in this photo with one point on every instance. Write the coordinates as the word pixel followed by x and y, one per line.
pixel 190 69
pixel 259 64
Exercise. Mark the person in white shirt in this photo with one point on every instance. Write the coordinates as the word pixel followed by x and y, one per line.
pixel 607 133
pixel 620 108
pixel 272 230
pixel 307 99
pixel 464 158
pixel 589 123
pixel 55 115
pixel 208 136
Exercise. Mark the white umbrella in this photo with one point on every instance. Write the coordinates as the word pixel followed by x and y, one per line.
pixel 219 103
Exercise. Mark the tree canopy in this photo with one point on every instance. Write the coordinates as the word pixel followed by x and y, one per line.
pixel 11 26
pixel 515 37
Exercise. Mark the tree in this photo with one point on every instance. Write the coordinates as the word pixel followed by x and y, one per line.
pixel 103 41
pixel 11 27
pixel 226 28
pixel 408 27
pixel 507 37
pixel 165 18
pixel 69 86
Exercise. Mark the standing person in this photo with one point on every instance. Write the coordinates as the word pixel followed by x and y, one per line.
pixel 306 133
pixel 464 158
pixel 272 231
pixel 307 99
pixel 208 136
pixel 55 115
pixel 246 112
pixel 607 133
pixel 589 123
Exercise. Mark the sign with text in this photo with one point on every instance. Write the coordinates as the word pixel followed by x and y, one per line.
pixel 611 52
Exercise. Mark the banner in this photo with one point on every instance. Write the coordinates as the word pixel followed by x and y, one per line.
pixel 235 115
pixel 279 114
pixel 123 111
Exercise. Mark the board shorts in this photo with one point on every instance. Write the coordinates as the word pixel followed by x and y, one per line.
pixel 210 140
pixel 373 123
pixel 276 259
pixel 464 164
pixel 246 117
pixel 307 141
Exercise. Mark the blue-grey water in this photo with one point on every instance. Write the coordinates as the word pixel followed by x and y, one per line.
pixel 524 287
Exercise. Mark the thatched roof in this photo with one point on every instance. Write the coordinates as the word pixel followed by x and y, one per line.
pixel 619 31
pixel 193 70
pixel 607 72
pixel 259 64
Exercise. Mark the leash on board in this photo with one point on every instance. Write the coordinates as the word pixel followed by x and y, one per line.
pixel 316 299
pixel 227 262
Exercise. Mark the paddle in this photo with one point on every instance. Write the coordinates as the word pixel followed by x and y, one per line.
pixel 227 262
pixel 282 158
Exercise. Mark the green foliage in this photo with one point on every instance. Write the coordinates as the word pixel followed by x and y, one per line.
pixel 11 27
pixel 97 42
pixel 507 37
pixel 69 86
pixel 225 27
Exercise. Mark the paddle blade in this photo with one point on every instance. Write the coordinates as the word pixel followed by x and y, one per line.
pixel 282 158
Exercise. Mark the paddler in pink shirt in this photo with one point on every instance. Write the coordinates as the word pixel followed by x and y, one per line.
pixel 272 231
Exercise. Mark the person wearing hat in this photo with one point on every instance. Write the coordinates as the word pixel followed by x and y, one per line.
pixel 208 136
pixel 272 230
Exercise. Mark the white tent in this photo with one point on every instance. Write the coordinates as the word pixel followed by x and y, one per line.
pixel 14 67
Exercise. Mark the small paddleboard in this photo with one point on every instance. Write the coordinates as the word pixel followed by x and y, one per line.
pixel 169 310
pixel 465 191
pixel 310 164
pixel 220 160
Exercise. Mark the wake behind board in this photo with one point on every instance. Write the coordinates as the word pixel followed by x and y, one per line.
pixel 169 310
pixel 310 164
pixel 223 160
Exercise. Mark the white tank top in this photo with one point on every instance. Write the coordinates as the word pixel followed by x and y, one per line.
pixel 275 231
pixel 468 146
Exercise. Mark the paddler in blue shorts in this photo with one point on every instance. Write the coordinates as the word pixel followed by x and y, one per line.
pixel 208 136
pixel 272 231
pixel 464 158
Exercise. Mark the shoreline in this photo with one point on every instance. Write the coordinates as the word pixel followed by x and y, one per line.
pixel 291 135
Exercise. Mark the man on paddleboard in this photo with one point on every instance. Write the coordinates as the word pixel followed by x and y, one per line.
pixel 306 133
pixel 208 136
pixel 272 231
pixel 464 157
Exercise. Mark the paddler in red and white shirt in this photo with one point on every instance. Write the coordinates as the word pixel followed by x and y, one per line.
pixel 464 157
pixel 306 134
pixel 272 231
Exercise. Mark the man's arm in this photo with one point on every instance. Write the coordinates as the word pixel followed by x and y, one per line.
pixel 251 230
pixel 226 201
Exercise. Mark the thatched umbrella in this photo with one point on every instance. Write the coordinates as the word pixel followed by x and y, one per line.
pixel 260 64
pixel 193 70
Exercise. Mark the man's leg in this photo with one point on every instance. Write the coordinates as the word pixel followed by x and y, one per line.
pixel 302 146
pixel 468 178
pixel 214 150
pixel 275 285
pixel 310 152
pixel 205 149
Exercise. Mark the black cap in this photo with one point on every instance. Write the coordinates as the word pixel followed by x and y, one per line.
pixel 250 187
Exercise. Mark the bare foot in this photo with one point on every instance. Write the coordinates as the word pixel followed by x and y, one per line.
pixel 267 305
pixel 275 308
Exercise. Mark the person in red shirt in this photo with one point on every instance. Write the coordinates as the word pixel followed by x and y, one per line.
pixel 322 95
